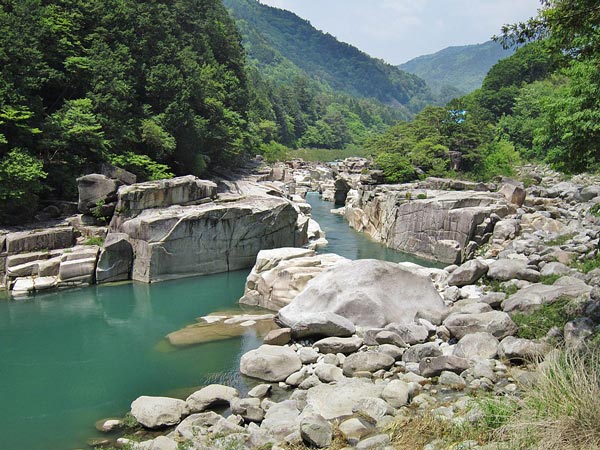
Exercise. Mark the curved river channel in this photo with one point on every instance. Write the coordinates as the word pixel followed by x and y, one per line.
pixel 70 358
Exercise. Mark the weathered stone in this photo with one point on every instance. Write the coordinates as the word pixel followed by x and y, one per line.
pixel 497 323
pixel 554 269
pixel 339 345
pixel 508 269
pixel 155 412
pixel 308 355
pixel 116 259
pixel 318 324
pixel 479 345
pixel 248 408
pixel 514 193
pixel 369 293
pixel 505 229
pixel 396 393
pixel 316 431
pixel 328 372
pixel 95 191
pixel 282 419
pixel 410 333
pixel 369 361
pixel 48 239
pixel 158 443
pixel 270 363
pixel 280 336
pixel 279 275
pixel 468 273
pixel 260 391
pixel 337 400
pixel 389 337
pixel 519 350
pixel 355 428
pixel 187 190
pixel 421 351
pixel 212 395
pixel 432 367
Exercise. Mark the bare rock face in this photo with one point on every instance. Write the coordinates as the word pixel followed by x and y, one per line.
pixel 369 293
pixel 47 239
pixel 177 230
pixel 433 224
pixel 279 275
pixel 116 258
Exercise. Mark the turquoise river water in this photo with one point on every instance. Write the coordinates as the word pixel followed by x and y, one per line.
pixel 70 358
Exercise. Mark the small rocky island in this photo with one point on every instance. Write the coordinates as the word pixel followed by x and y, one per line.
pixel 353 350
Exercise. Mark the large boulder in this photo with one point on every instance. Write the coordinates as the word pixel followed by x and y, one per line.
pixel 468 273
pixel 369 293
pixel 497 323
pixel 479 345
pixel 439 226
pixel 116 258
pixel 95 191
pixel 509 269
pixel 339 345
pixel 211 237
pixel 282 419
pixel 514 193
pixel 214 394
pixel 270 363
pixel 369 361
pixel 279 275
pixel 156 412
pixel 337 400
pixel 522 350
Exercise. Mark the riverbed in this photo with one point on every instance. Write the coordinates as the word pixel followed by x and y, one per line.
pixel 70 358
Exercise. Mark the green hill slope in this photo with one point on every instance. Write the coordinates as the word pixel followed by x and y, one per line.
pixel 461 68
pixel 279 42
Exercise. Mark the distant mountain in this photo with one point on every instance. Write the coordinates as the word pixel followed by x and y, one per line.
pixel 457 70
pixel 280 43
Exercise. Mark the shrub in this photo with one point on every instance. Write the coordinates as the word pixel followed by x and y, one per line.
pixel 396 168
pixel 141 165
pixel 535 325
pixel 95 240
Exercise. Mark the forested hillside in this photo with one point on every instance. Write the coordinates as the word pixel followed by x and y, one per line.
pixel 456 71
pixel 157 88
pixel 540 104
pixel 271 33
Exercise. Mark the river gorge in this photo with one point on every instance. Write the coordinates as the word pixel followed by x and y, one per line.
pixel 80 355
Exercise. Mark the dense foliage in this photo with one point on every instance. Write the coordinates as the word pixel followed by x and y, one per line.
pixel 540 104
pixel 157 86
pixel 456 71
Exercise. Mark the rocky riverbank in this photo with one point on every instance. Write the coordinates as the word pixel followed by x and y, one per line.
pixel 364 347
pixel 154 231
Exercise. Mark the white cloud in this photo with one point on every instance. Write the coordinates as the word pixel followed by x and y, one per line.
pixel 398 30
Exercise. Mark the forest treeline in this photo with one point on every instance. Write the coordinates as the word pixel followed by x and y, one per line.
pixel 164 88
pixel 540 104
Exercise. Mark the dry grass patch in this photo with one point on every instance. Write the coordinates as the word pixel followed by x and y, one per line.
pixel 562 410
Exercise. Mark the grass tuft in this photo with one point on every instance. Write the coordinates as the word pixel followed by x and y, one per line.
pixel 536 324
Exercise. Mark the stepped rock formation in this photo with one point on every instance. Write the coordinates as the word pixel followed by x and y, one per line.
pixel 434 224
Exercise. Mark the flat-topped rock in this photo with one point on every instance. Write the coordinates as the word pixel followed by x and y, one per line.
pixel 369 293
pixel 47 239
pixel 210 238
pixel 279 275
pixel 156 412
pixel 270 363
pixel 439 225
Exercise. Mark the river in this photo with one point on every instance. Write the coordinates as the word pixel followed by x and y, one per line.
pixel 70 358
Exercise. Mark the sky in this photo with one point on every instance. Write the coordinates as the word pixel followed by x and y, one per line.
pixel 399 30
